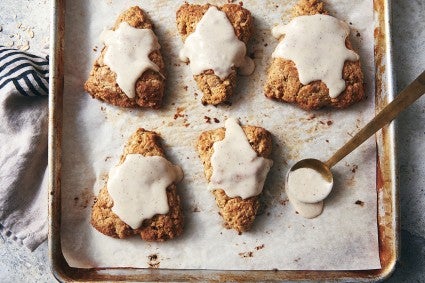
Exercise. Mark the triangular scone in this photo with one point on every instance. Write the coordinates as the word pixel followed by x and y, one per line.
pixel 237 213
pixel 161 227
pixel 215 90
pixel 283 81
pixel 102 83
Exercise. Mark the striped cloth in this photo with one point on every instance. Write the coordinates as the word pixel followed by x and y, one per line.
pixel 23 150
pixel 26 73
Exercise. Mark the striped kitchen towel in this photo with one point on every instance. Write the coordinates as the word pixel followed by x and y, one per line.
pixel 23 147
pixel 26 73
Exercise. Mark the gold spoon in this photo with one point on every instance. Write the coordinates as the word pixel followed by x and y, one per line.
pixel 403 100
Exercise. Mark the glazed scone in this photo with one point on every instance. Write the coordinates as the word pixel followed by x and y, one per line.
pixel 102 82
pixel 283 82
pixel 158 228
pixel 215 90
pixel 237 213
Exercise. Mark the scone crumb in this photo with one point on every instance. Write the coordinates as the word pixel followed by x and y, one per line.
pixel 260 247
pixel 153 261
pixel 246 254
pixel 179 113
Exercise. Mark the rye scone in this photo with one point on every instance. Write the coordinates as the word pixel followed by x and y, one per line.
pixel 238 214
pixel 160 227
pixel 149 88
pixel 283 81
pixel 215 90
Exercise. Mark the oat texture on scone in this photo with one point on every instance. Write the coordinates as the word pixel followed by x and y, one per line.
pixel 160 227
pixel 102 82
pixel 237 213
pixel 214 89
pixel 283 82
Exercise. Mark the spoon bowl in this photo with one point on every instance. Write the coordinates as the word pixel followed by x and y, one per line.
pixel 315 182
pixel 315 164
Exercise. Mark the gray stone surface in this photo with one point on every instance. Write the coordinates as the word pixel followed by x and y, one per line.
pixel 409 61
pixel 17 264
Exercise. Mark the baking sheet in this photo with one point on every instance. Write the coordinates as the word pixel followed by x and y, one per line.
pixel 94 134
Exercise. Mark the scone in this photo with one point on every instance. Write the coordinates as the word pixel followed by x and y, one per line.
pixel 283 81
pixel 215 90
pixel 237 213
pixel 159 227
pixel 149 88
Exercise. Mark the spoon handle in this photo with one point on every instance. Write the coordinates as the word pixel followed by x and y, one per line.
pixel 406 97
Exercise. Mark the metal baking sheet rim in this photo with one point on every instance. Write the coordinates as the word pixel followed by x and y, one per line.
pixel 386 180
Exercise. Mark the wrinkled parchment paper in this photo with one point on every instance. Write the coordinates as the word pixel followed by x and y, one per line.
pixel 94 133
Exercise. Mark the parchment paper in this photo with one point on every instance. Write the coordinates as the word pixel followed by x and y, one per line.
pixel 94 133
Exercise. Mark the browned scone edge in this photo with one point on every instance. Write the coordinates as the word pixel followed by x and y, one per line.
pixel 102 83
pixel 238 214
pixel 283 81
pixel 214 89
pixel 159 228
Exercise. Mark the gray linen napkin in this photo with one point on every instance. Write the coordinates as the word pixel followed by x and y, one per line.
pixel 23 147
